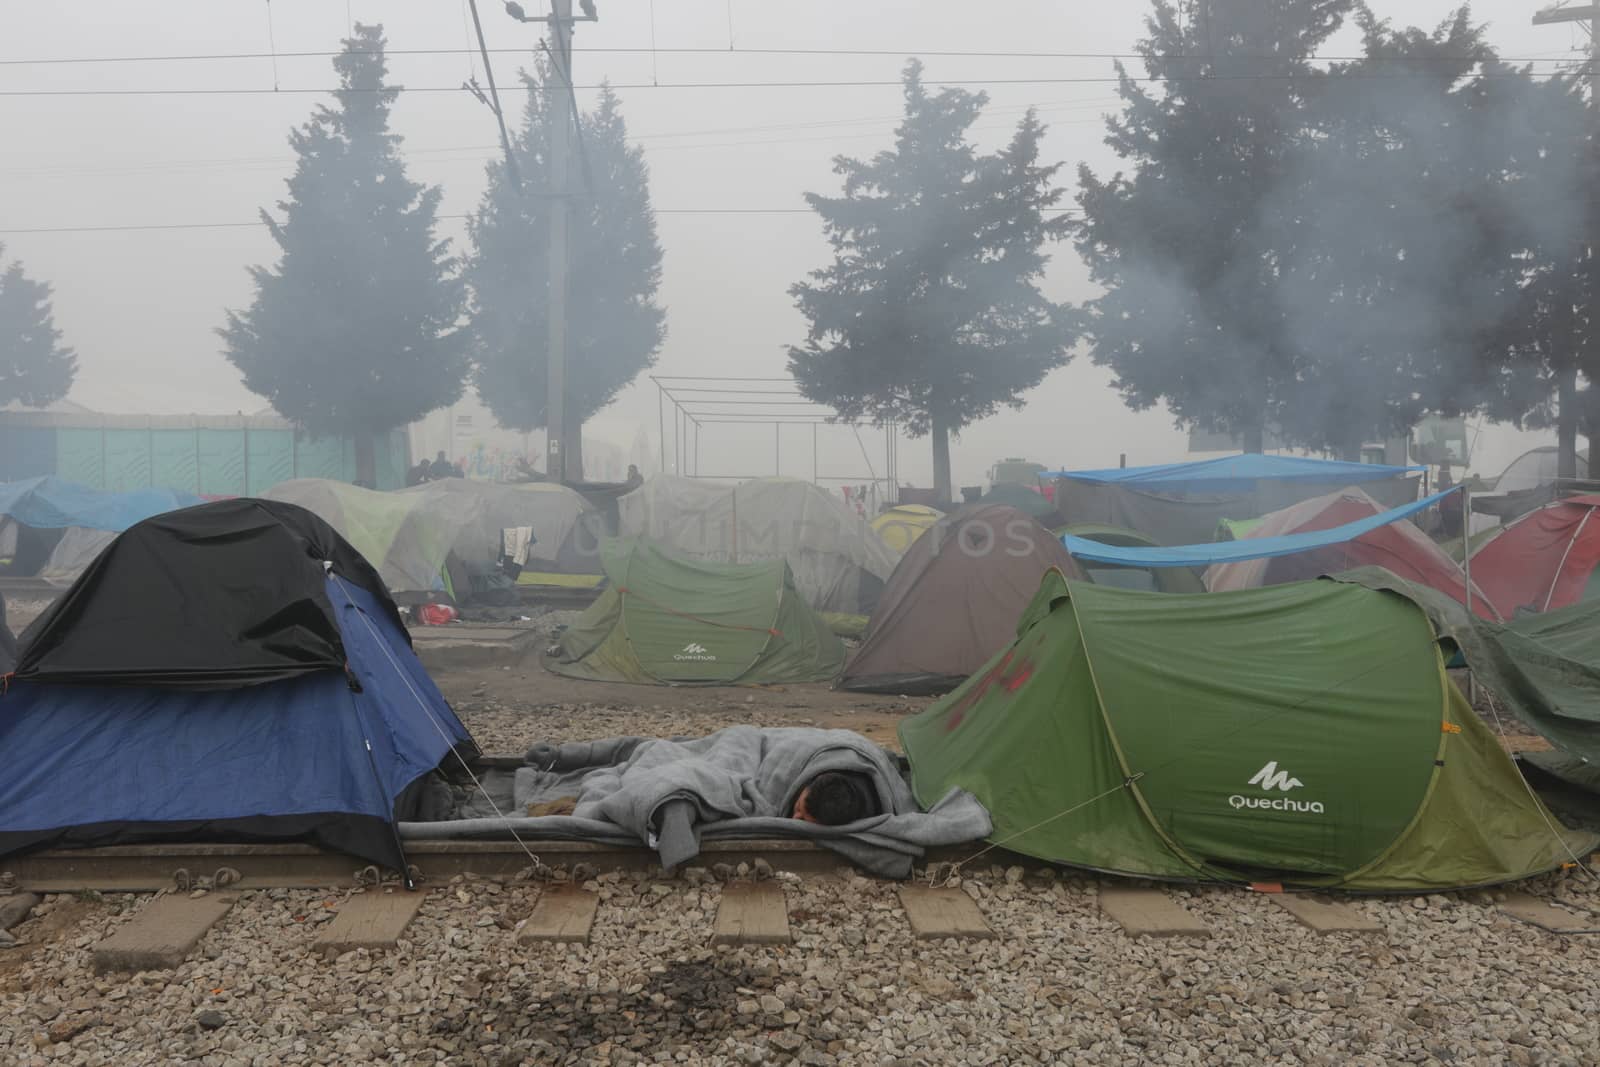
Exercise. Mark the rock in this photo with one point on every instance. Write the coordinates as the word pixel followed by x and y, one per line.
pixel 211 1020
pixel 63 1030
pixel 771 1005
pixel 788 1040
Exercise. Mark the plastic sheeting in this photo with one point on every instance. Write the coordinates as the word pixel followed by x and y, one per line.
pixel 1181 504
pixel 1248 548
pixel 82 521
pixel 1398 547
pixel 1236 474
pixel 839 563
pixel 49 503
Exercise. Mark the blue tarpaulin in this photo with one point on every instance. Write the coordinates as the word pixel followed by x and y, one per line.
pixel 1235 474
pixel 49 503
pixel 1248 548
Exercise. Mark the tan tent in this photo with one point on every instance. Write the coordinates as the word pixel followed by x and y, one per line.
pixel 954 601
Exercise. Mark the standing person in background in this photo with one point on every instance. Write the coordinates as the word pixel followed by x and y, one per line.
pixel 1452 515
pixel 441 467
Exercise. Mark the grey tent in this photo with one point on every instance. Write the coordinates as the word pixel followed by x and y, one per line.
pixel 954 600
pixel 839 563
pixel 566 530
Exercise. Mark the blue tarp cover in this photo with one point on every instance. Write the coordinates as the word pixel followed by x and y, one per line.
pixel 1248 548
pixel 48 503
pixel 1235 474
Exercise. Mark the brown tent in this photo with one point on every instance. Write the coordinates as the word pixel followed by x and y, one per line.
pixel 954 600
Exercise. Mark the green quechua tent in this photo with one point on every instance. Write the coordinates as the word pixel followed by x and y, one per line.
pixel 1304 733
pixel 668 620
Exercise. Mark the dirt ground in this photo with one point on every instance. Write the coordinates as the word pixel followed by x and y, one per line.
pixel 545 701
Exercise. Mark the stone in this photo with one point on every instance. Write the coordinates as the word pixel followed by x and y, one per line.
pixel 211 1020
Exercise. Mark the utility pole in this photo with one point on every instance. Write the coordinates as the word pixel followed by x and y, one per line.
pixel 1587 15
pixel 560 221
pixel 562 111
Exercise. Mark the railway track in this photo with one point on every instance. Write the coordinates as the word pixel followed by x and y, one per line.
pixel 189 888
pixel 149 868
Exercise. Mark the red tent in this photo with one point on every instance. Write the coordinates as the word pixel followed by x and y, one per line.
pixel 1399 547
pixel 1544 560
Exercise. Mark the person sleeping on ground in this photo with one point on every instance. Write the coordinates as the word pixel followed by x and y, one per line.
pixel 834 787
pixel 837 798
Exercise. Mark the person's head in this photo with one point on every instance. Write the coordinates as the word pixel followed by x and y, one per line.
pixel 830 799
pixel 440 456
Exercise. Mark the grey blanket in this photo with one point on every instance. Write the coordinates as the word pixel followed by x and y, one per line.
pixel 737 783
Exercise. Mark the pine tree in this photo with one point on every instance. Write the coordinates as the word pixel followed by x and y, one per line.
pixel 1189 244
pixel 614 326
pixel 931 314
pixel 1333 251
pixel 35 368
pixel 355 330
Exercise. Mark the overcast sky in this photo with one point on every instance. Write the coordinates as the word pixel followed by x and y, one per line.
pixel 141 306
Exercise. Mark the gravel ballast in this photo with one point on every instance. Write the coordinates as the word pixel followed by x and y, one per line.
pixel 1448 980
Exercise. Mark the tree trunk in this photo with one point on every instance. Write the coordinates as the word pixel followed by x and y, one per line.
pixel 1567 424
pixel 941 461
pixel 366 459
pixel 1252 439
pixel 572 447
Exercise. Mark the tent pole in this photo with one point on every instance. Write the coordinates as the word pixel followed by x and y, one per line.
pixel 1556 578
pixel 1466 572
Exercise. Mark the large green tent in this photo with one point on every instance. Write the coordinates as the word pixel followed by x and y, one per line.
pixel 1304 733
pixel 674 621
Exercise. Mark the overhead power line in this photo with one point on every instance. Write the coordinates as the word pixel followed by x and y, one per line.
pixel 855 84
pixel 138 227
pixel 937 53
pixel 478 154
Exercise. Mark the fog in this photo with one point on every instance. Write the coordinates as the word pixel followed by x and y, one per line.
pixel 141 305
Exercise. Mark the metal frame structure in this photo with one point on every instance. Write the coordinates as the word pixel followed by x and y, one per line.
pixel 698 401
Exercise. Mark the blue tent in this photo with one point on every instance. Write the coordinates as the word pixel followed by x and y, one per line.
pixel 310 719
pixel 1236 474
pixel 1248 548
pixel 49 503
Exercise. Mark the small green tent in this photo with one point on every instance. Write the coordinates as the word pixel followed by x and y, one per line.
pixel 674 621
pixel 1303 733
